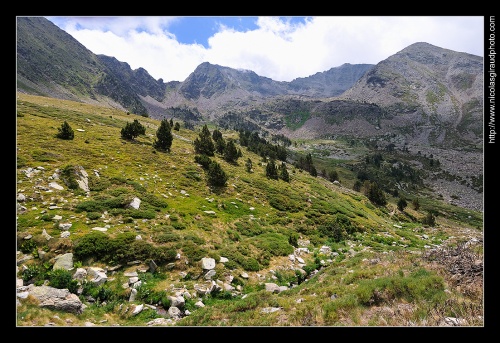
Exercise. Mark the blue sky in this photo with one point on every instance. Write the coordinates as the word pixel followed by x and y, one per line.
pixel 281 48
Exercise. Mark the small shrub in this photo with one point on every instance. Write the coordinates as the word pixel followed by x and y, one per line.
pixel 96 244
pixel 31 273
pixel 163 254
pixel 93 215
pixel 62 278
pixel 65 132
pixel 166 237
pixel 27 247
pixel 69 175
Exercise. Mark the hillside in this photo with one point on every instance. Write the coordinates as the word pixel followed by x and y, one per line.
pixel 433 95
pixel 256 252
pixel 52 63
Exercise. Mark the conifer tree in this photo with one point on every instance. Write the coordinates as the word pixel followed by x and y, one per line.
pixel 416 204
pixel 164 136
pixel 132 130
pixel 375 193
pixel 248 165
pixel 284 173
pixel 230 152
pixel 402 204
pixel 65 131
pixel 216 135
pixel 333 175
pixel 271 170
pixel 203 144
pixel 216 175
pixel 220 145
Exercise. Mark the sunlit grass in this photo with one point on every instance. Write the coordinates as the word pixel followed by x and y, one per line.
pixel 374 273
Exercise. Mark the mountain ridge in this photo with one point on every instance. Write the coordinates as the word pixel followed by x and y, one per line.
pixel 422 100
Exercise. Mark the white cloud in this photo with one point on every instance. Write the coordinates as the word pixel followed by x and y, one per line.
pixel 276 49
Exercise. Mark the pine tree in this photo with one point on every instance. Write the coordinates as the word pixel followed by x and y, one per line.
pixel 220 145
pixel 313 171
pixel 375 194
pixel 164 136
pixel 248 165
pixel 416 204
pixel 429 219
pixel 230 152
pixel 357 186
pixel 216 175
pixel 271 171
pixel 402 204
pixel 284 173
pixel 132 130
pixel 216 135
pixel 65 131
pixel 333 175
pixel 203 144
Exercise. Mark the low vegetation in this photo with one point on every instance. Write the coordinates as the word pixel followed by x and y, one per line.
pixel 370 258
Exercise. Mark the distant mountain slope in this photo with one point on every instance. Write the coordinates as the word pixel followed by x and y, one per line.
pixel 330 83
pixel 211 87
pixel 425 94
pixel 436 92
pixel 52 63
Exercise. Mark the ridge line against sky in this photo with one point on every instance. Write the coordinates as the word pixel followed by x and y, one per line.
pixel 280 48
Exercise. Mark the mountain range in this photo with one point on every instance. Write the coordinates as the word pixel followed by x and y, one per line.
pixel 433 94
pixel 422 100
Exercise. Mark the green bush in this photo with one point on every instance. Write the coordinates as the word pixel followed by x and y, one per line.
pixel 31 273
pixel 69 175
pixel 62 278
pixel 101 293
pixel 96 244
pixel 133 130
pixel 166 237
pixel 139 250
pixel 250 264
pixel 163 254
pixel 193 252
pixel 154 201
pixel 178 225
pixel 27 247
pixel 97 184
pixel 93 215
pixel 46 217
pixel 339 229
pixel 203 160
pixel 420 286
pixel 284 203
pixel 195 239
pixel 233 235
pixel 89 206
pixel 248 228
pixel 274 243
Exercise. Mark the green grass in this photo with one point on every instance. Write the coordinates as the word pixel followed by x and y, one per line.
pixel 257 223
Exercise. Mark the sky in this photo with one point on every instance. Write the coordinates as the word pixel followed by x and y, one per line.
pixel 280 48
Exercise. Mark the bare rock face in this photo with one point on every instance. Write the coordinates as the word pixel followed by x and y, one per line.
pixel 57 299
